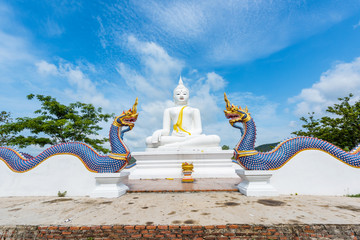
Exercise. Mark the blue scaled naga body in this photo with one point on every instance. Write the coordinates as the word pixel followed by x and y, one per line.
pixel 94 162
pixel 246 155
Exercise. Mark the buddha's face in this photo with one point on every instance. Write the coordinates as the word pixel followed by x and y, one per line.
pixel 181 96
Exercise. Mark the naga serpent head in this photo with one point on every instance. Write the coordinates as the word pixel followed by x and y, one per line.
pixel 127 118
pixel 235 113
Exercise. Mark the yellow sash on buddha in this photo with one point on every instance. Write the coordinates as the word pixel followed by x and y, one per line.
pixel 178 124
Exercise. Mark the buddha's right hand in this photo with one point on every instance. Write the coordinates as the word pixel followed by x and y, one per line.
pixel 155 138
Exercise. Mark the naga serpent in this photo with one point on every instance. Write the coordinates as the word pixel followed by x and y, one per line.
pixel 114 162
pixel 246 155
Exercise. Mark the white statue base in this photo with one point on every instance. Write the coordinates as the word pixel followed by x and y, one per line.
pixel 256 183
pixel 167 164
pixel 109 185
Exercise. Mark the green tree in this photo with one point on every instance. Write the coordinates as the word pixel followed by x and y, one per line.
pixel 57 123
pixel 5 118
pixel 342 128
pixel 225 147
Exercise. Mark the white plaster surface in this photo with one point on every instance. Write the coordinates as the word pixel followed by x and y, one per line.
pixel 167 164
pixel 314 172
pixel 57 173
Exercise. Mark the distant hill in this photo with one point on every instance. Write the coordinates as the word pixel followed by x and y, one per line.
pixel 266 147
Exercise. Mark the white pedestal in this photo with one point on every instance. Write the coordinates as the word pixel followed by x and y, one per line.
pixel 109 185
pixel 256 183
pixel 167 164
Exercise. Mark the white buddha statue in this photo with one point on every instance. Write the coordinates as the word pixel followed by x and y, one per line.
pixel 185 123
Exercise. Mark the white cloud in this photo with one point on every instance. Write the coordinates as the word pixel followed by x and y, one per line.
pixel 82 88
pixel 138 82
pixel 339 81
pixel 222 32
pixel 52 28
pixel 215 81
pixel 158 70
pixel 13 48
pixel 46 68
pixel 357 25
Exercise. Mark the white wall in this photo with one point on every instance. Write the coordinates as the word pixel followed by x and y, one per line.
pixel 310 172
pixel 314 172
pixel 58 173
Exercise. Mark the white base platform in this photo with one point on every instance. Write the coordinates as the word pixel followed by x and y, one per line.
pixel 109 185
pixel 256 183
pixel 167 164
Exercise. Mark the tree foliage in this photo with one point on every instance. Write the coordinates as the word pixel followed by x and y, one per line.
pixel 5 118
pixel 225 147
pixel 342 128
pixel 57 123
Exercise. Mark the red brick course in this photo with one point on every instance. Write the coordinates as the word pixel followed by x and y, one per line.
pixel 217 232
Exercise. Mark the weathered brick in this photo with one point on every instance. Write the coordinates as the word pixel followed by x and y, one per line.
pixel 196 227
pixel 136 236
pixel 63 228
pixel 140 227
pixel 150 227
pixel 162 227
pixel 66 233
pixel 229 234
pixel 129 227
pixel 222 238
pixel 221 226
pixel 148 235
pixel 210 227
pixel 234 226
pixel 185 227
pixel 106 227
pixel 85 228
pixel 74 228
pixel 256 228
pixel 174 226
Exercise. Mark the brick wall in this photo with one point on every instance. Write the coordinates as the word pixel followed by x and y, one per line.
pixel 238 231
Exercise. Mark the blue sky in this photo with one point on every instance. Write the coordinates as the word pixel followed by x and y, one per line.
pixel 282 59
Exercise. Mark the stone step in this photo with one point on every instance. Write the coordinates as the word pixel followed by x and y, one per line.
pixel 158 165
pixel 179 162
pixel 179 166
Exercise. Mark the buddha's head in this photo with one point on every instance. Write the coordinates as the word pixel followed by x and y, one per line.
pixel 181 94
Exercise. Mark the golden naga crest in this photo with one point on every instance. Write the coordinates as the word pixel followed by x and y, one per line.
pixel 235 113
pixel 127 118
